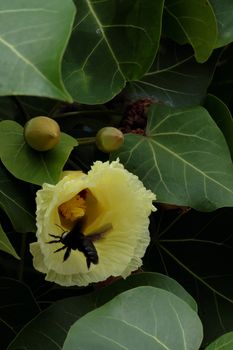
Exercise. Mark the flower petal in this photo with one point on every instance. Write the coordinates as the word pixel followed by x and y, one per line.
pixel 116 199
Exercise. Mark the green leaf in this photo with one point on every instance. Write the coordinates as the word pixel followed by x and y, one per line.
pixel 222 117
pixel 49 329
pixel 62 314
pixel 17 306
pixel 222 83
pixel 193 22
pixel 8 334
pixel 29 165
pixel 145 279
pixel 175 78
pixel 5 244
pixel 15 203
pixel 225 342
pixel 112 42
pixel 196 249
pixel 214 293
pixel 32 42
pixel 141 318
pixel 215 303
pixel 223 10
pixel 183 158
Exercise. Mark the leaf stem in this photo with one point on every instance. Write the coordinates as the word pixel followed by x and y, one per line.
pixel 86 140
pixel 87 112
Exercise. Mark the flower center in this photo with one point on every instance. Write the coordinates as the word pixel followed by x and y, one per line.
pixel 82 207
pixel 73 210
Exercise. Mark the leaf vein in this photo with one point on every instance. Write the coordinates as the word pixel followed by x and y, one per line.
pixel 26 61
pixel 17 205
pixel 109 339
pixel 180 324
pixel 169 90
pixel 39 9
pixel 49 338
pixel 131 26
pixel 138 329
pixel 192 166
pixel 104 35
pixel 157 167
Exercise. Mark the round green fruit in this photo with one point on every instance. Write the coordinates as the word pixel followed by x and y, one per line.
pixel 42 133
pixel 109 139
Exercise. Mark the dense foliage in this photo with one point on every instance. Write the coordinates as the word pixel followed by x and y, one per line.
pixel 161 71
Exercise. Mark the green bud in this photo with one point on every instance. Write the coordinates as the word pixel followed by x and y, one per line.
pixel 42 133
pixel 109 139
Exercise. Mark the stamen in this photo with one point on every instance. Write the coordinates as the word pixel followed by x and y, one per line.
pixel 73 209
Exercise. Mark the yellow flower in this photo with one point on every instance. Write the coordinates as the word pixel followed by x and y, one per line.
pixel 110 202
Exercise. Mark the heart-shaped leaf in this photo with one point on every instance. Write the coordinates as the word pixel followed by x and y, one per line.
pixel 33 37
pixel 223 10
pixel 225 342
pixel 16 205
pixel 193 22
pixel 29 165
pixel 183 158
pixel 175 78
pixel 141 318
pixel 5 244
pixel 124 35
